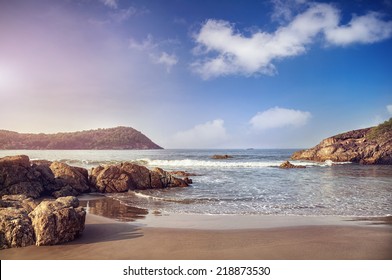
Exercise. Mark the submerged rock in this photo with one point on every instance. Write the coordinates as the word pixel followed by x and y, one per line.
pixel 221 156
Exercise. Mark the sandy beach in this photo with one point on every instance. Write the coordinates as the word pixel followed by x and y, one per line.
pixel 105 238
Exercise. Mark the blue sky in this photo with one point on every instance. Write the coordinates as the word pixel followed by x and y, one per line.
pixel 197 74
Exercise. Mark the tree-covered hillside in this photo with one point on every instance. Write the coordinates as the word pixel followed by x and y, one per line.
pixel 119 138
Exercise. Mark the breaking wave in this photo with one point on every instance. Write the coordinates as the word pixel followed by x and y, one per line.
pixel 228 164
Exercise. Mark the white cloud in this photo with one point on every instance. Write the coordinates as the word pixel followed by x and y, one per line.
pixel 110 3
pixel 123 14
pixel 168 60
pixel 146 44
pixel 226 51
pixel 152 47
pixel 282 10
pixel 365 29
pixel 279 117
pixel 208 135
pixel 389 108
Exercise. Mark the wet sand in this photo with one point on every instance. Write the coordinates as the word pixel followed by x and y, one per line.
pixel 105 238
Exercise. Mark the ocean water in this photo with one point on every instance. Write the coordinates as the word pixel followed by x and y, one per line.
pixel 250 183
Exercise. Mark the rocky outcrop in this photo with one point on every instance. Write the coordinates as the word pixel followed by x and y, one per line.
pixel 58 221
pixel 365 146
pixel 19 176
pixel 34 179
pixel 24 222
pixel 129 176
pixel 288 165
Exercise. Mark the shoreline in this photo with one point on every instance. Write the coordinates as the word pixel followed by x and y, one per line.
pixel 102 205
pixel 107 239
pixel 250 222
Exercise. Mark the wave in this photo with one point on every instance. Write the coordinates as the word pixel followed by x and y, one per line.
pixel 229 164
pixel 188 200
pixel 188 163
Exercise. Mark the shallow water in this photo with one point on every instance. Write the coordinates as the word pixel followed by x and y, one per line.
pixel 248 183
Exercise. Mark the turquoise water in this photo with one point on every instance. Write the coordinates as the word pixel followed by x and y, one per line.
pixel 248 183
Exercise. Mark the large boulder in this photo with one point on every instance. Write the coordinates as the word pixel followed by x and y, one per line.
pixel 130 176
pixel 18 177
pixel 73 180
pixel 57 221
pixel 15 228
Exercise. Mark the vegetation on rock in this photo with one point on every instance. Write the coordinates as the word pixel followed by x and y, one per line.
pixel 380 131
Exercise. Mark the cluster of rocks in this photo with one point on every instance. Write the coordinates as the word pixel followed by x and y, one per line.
pixel 35 179
pixel 25 219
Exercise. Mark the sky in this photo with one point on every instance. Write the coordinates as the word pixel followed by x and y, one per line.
pixel 197 74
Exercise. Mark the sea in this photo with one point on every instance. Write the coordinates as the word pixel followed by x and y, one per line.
pixel 249 183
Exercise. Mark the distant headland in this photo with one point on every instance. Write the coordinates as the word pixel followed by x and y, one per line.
pixel 118 138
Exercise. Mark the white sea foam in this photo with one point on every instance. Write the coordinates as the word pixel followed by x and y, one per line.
pixel 146 196
pixel 219 164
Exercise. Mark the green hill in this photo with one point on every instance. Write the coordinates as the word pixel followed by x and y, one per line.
pixel 119 138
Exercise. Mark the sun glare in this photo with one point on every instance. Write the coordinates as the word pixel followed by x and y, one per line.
pixel 7 79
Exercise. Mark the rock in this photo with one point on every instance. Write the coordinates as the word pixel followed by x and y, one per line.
pixel 221 157
pixel 182 173
pixel 188 180
pixel 131 176
pixel 364 146
pixel 58 221
pixel 18 177
pixel 20 160
pixel 110 179
pixel 15 228
pixel 288 165
pixel 65 191
pixel 75 177
pixel 140 177
pixel 166 179
pixel 18 201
